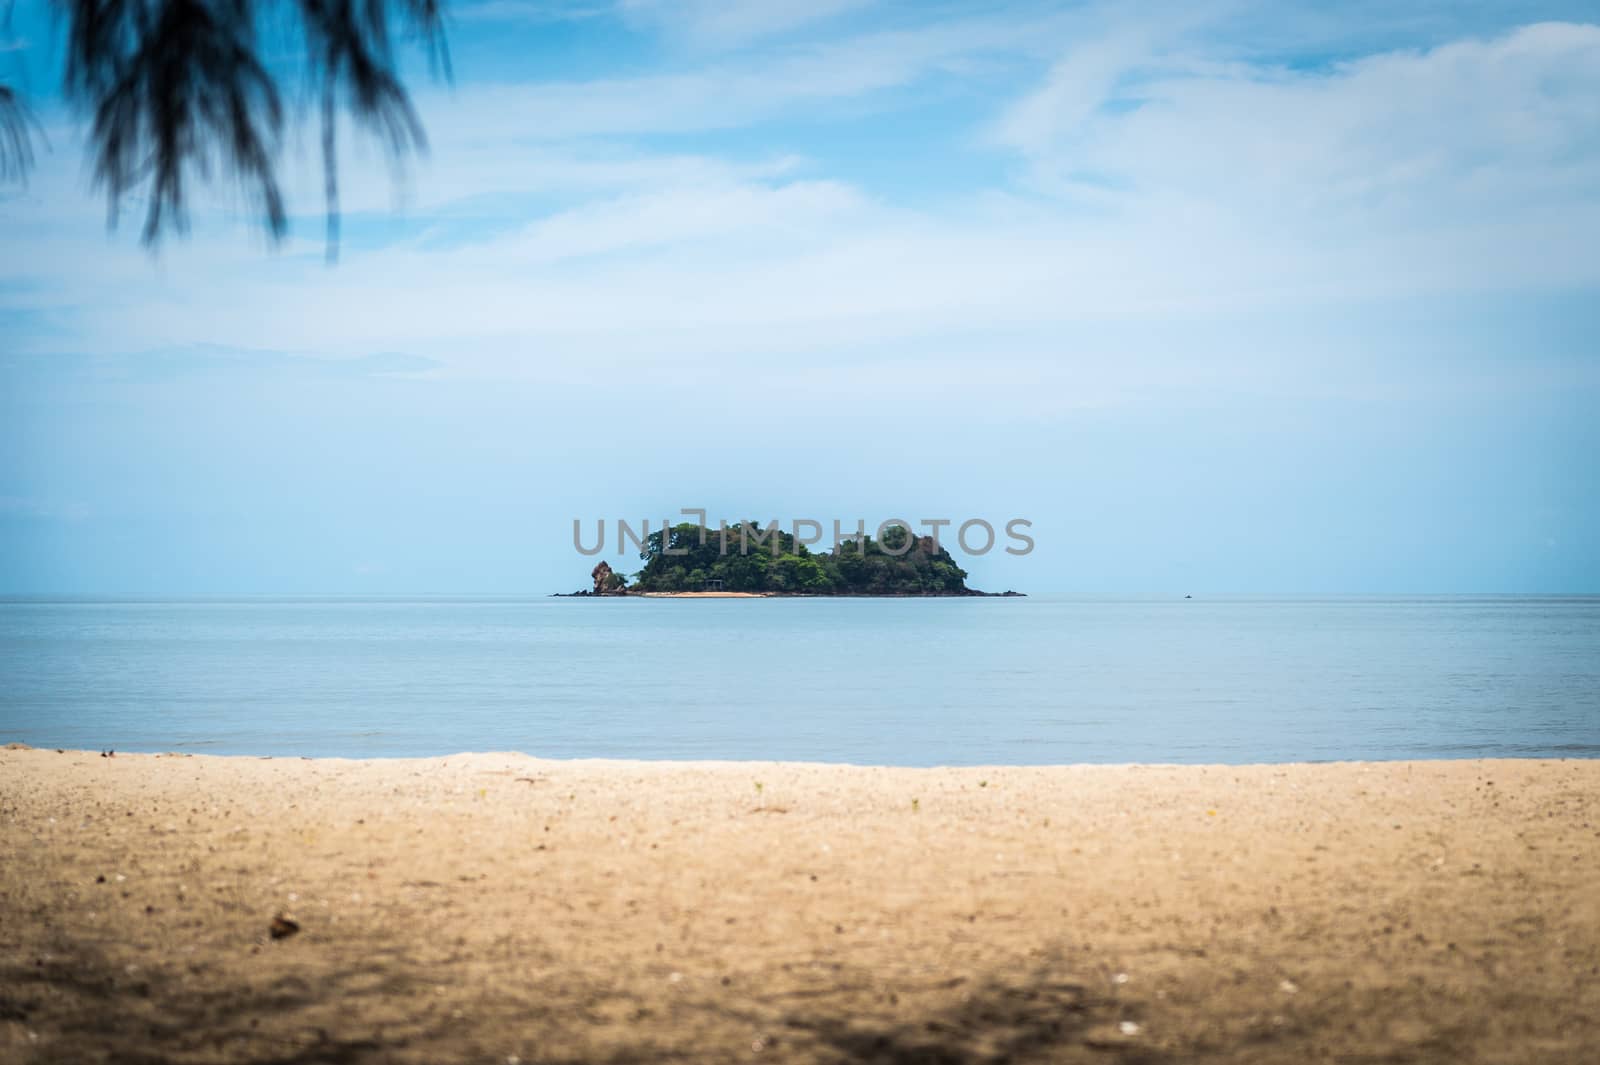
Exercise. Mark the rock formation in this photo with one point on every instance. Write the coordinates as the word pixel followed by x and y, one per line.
pixel 606 581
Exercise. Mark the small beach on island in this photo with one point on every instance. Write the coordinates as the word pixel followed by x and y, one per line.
pixel 501 908
pixel 701 595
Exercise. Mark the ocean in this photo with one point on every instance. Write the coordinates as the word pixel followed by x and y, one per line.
pixel 865 681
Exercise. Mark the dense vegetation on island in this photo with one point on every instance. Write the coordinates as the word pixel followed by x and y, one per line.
pixel 758 560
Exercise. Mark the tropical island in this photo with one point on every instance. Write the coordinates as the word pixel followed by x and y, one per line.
pixel 747 559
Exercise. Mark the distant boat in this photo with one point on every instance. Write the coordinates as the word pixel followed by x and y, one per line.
pixel 1188 597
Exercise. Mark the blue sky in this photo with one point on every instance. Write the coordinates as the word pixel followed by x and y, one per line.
pixel 1224 297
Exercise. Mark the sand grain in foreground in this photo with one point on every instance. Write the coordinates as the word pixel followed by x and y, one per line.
pixel 498 908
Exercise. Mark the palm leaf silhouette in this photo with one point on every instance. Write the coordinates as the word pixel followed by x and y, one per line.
pixel 178 93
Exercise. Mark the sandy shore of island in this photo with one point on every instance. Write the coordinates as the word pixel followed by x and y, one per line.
pixel 499 908
pixel 700 595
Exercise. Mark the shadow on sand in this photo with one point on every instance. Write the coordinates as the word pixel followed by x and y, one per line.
pixel 73 1006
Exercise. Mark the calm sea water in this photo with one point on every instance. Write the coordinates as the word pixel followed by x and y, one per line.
pixel 886 681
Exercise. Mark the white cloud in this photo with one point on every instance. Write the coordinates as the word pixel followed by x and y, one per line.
pixel 1483 123
pixel 1229 188
pixel 732 23
pixel 1078 85
pixel 45 509
pixel 737 92
pixel 726 214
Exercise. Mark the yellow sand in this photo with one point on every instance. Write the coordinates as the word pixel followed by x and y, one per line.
pixel 498 908
pixel 700 595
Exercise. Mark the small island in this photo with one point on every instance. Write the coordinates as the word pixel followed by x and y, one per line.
pixel 748 560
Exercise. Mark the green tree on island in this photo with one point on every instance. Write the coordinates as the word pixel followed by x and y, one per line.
pixel 758 560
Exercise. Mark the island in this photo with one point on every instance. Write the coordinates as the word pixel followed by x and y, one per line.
pixel 747 559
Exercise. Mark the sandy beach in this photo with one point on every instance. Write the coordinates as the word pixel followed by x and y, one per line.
pixel 699 595
pixel 500 908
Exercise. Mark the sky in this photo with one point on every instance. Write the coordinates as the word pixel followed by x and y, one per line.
pixel 1223 297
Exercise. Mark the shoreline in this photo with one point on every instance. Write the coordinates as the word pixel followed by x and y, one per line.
pixel 484 907
pixel 602 761
pixel 970 593
pixel 702 595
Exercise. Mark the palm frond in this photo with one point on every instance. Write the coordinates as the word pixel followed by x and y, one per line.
pixel 16 136
pixel 177 90
pixel 349 57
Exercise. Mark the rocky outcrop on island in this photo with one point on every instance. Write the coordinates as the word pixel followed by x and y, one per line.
pixel 607 581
